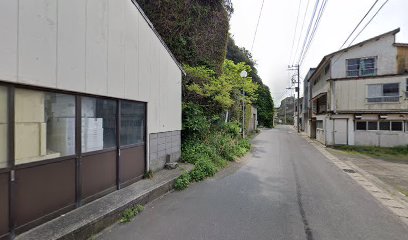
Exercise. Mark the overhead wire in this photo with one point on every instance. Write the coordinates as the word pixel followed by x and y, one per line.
pixel 301 31
pixel 368 22
pixel 349 36
pixel 257 25
pixel 365 26
pixel 294 34
pixel 308 30
pixel 315 27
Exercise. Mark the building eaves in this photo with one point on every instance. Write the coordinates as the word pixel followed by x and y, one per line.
pixel 157 35
pixel 401 44
pixel 329 56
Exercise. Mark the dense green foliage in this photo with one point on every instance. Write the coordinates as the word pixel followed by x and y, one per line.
pixel 208 144
pixel 264 101
pixel 196 31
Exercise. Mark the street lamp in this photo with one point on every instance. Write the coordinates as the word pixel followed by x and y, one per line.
pixel 243 74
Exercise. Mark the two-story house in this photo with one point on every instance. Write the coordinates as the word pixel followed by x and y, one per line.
pixel 359 94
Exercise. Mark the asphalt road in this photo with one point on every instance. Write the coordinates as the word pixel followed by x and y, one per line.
pixel 285 189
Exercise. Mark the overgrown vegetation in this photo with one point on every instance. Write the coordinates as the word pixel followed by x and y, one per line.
pixel 394 154
pixel 208 144
pixel 130 213
pixel 196 31
pixel 264 101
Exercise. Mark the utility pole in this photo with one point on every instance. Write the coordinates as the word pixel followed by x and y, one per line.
pixel 297 68
pixel 285 110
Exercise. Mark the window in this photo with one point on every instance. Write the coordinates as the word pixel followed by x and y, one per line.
pixel 44 125
pixel 319 124
pixel 385 126
pixel 396 126
pixel 132 123
pixel 3 127
pixel 383 92
pixel 361 67
pixel 372 126
pixel 98 124
pixel 361 126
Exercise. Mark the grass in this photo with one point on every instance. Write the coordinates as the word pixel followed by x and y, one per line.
pixel 130 213
pixel 394 154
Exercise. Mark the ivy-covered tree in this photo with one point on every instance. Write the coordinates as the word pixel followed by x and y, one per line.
pixel 196 31
pixel 264 101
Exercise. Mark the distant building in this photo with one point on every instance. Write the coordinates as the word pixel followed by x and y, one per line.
pixel 359 95
pixel 286 111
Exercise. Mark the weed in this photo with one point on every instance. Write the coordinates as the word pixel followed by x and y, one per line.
pixel 397 154
pixel 182 182
pixel 148 175
pixel 130 213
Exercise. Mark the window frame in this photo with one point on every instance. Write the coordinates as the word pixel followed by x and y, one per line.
pixel 359 68
pixel 383 98
pixel 11 133
pixel 356 125
pixel 402 126
pixel 126 146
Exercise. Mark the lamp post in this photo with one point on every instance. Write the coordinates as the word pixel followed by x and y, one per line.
pixel 243 74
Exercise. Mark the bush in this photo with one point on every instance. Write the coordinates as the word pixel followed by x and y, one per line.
pixel 203 168
pixel 195 123
pixel 182 182
pixel 232 128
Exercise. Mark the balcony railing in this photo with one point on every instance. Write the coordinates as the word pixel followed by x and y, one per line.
pixel 383 99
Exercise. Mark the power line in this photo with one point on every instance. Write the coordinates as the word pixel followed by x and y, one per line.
pixel 371 8
pixel 308 30
pixel 362 29
pixel 300 34
pixel 368 22
pixel 315 27
pixel 294 34
pixel 256 29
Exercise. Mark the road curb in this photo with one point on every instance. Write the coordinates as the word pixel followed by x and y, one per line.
pixel 88 220
pixel 375 187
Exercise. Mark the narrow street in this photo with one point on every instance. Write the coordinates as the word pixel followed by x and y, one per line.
pixel 285 189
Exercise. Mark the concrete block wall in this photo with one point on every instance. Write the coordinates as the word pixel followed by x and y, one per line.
pixel 161 145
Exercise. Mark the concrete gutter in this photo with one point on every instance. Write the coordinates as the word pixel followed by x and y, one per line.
pixel 84 222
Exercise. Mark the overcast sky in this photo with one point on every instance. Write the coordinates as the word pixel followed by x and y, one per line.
pixel 272 48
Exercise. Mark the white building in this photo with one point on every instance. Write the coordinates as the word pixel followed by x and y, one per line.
pixel 359 94
pixel 90 99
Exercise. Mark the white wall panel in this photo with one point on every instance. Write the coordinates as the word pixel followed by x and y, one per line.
pixel 8 39
pixel 164 89
pixel 154 96
pixel 116 48
pixel 38 42
pixel 71 45
pixel 102 47
pixel 145 58
pixel 131 52
pixel 97 47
